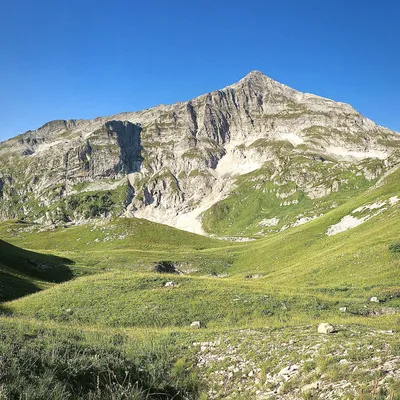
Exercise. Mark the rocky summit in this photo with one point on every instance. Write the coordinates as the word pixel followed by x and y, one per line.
pixel 252 158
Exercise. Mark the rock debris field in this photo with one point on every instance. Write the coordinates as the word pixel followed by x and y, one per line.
pixel 299 363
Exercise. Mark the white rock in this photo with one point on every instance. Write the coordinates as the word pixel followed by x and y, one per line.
pixel 343 309
pixel 170 284
pixel 287 372
pixel 304 220
pixel 374 299
pixel 345 223
pixel 269 222
pixel 195 325
pixel 311 386
pixel 325 328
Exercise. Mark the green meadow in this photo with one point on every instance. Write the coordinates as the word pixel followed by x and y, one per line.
pixel 88 307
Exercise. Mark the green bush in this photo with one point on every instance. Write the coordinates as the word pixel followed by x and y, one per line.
pixel 394 248
pixel 92 204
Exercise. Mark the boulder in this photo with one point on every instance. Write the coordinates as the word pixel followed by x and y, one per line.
pixel 287 372
pixel 195 325
pixel 170 284
pixel 374 300
pixel 343 309
pixel 325 328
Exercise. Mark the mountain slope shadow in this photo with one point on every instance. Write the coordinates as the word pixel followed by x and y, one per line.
pixel 12 287
pixel 45 267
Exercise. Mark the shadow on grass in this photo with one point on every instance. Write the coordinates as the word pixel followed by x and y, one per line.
pixel 3 310
pixel 12 287
pixel 36 265
pixel 19 268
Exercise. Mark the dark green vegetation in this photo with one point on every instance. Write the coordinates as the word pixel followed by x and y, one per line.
pixel 116 273
pixel 394 248
pixel 94 204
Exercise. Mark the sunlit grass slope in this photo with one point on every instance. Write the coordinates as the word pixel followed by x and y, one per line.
pixel 133 244
pixel 301 275
pixel 357 258
pixel 127 300
pixel 298 275
pixel 114 328
pixel 120 234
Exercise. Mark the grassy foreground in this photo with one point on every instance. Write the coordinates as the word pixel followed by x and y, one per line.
pixel 59 362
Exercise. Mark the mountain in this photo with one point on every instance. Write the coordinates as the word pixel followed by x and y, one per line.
pixel 252 158
pixel 104 307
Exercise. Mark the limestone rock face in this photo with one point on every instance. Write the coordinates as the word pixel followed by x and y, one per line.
pixel 170 164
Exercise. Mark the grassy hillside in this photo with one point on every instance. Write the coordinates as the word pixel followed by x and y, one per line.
pixel 276 197
pixel 102 235
pixel 256 299
pixel 132 244
pixel 301 274
pixel 357 258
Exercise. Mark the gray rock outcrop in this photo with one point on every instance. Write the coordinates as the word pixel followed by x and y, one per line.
pixel 171 163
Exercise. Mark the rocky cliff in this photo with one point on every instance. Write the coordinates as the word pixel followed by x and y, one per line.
pixel 254 157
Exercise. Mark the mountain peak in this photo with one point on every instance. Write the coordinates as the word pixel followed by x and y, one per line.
pixel 254 76
pixel 257 78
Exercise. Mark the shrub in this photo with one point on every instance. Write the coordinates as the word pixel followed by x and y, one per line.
pixel 165 267
pixel 394 247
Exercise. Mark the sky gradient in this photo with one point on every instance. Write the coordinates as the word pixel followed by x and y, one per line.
pixel 83 59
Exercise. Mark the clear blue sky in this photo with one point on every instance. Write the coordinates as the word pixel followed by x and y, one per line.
pixel 86 58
